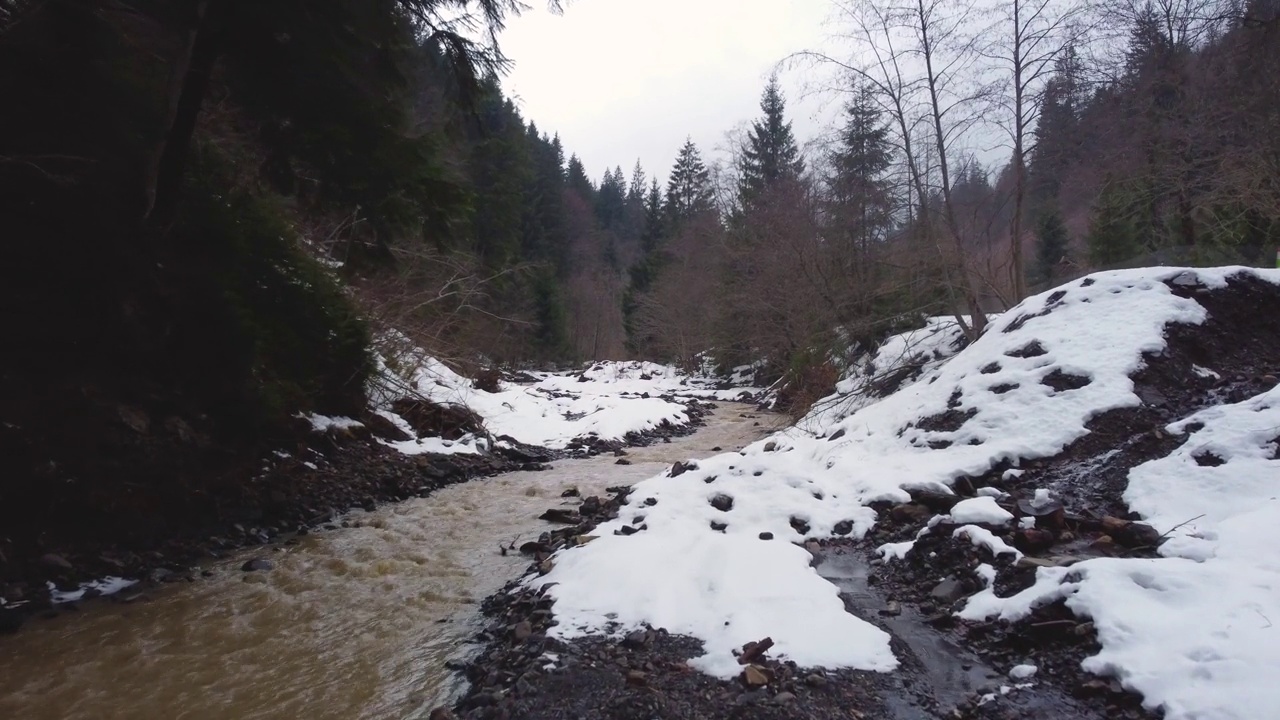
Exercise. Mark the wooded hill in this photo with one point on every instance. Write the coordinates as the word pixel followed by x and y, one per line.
pixel 212 208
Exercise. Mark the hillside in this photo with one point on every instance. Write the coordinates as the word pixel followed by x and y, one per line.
pixel 1105 452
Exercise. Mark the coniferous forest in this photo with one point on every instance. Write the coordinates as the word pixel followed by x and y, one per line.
pixel 214 208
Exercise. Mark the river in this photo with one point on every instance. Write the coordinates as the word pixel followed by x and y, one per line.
pixel 354 622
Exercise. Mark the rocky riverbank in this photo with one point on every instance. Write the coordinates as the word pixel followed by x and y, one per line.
pixel 320 477
pixel 915 571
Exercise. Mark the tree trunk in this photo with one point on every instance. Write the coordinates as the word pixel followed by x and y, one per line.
pixel 977 318
pixel 205 46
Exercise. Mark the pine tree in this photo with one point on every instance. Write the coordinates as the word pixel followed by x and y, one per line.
pixel 636 188
pixel 611 199
pixel 771 153
pixel 1057 133
pixel 501 171
pixel 1051 245
pixel 861 198
pixel 689 187
pixel 653 218
pixel 578 180
pixel 1114 228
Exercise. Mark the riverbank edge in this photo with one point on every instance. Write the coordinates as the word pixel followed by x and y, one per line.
pixel 329 474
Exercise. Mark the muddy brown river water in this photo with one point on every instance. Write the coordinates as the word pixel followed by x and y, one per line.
pixel 351 623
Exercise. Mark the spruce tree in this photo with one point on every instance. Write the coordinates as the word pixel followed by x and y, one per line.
pixel 578 180
pixel 1051 244
pixel 636 188
pixel 771 153
pixel 1114 228
pixel 689 187
pixel 861 197
pixel 611 199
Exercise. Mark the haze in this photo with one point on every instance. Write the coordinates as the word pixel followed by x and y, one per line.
pixel 627 79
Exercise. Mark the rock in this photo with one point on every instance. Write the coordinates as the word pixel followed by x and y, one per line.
pixel 783 698
pixel 622 461
pixel 635 639
pixel 815 681
pixel 522 631
pixel 722 502
pixel 754 676
pixel 716 449
pixel 581 540
pixel 935 500
pixel 844 527
pixel 893 607
pixel 590 506
pixel 681 468
pixel 1130 534
pixel 1048 514
pixel 442 713
pixel 1032 540
pixel 619 452
pixel 570 492
pixel 719 526
pixel 257 564
pixel 770 446
pixel 160 575
pixel 532 548
pixel 910 512
pixel 947 591
pixel 546 566
pixel 766 535
pixel 754 650
pixel 565 517
pixel 637 678
pixel 51 560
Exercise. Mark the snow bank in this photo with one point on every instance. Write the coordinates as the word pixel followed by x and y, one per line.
pixel 1024 390
pixel 606 401
pixel 1194 633
pixel 897 363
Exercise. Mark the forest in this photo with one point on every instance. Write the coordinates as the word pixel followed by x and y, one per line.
pixel 215 210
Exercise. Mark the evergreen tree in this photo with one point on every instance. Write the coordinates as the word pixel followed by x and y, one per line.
pixel 636 188
pixel 1057 133
pixel 1114 228
pixel 771 153
pixel 578 179
pixel 545 218
pixel 611 199
pixel 653 218
pixel 1051 245
pixel 689 187
pixel 501 171
pixel 861 198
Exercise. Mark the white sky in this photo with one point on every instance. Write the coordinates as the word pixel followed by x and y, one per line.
pixel 627 79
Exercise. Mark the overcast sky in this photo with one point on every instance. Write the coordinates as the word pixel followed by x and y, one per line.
pixel 627 79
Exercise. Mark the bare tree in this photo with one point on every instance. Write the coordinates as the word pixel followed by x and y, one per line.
pixel 921 57
pixel 1028 39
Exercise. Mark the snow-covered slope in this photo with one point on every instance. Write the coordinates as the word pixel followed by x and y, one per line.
pixel 1193 632
pixel 607 401
pixel 715 558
